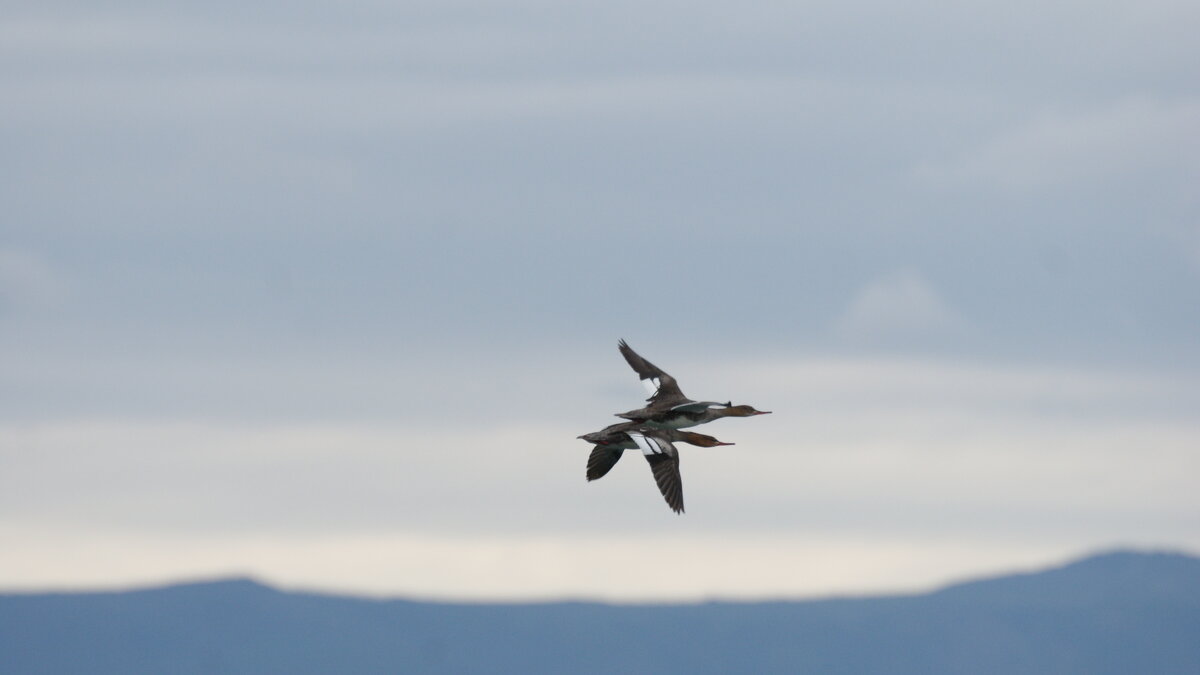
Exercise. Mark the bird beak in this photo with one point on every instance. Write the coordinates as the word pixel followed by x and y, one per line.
pixel 726 443
pixel 762 412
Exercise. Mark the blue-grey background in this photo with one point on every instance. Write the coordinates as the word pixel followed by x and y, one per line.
pixel 323 292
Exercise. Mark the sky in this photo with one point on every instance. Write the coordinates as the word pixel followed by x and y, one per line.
pixel 323 293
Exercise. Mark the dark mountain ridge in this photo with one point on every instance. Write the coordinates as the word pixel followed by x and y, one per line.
pixel 1118 612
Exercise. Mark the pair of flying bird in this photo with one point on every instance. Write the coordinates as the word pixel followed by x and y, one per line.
pixel 655 428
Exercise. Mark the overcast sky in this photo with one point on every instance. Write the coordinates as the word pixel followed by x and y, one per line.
pixel 323 293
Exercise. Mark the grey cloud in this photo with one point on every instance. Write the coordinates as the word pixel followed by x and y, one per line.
pixel 854 446
pixel 902 306
pixel 28 282
pixel 218 181
pixel 302 269
pixel 1096 148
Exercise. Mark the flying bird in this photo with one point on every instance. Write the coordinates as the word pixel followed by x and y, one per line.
pixel 655 428
pixel 612 441
pixel 668 408
pixel 656 445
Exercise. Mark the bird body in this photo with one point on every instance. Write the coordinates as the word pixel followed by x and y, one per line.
pixel 668 407
pixel 612 441
pixel 690 415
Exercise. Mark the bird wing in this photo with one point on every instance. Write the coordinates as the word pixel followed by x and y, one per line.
pixel 663 388
pixel 664 464
pixel 602 459
pixel 638 416
pixel 666 474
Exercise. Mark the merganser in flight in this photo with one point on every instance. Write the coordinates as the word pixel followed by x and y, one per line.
pixel 614 440
pixel 656 446
pixel 669 408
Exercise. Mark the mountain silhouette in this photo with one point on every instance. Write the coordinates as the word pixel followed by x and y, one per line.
pixel 1120 612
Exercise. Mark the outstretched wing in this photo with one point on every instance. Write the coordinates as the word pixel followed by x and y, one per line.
pixel 666 474
pixel 662 387
pixel 602 459
pixel 664 464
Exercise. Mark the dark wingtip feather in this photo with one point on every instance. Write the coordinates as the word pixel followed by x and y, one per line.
pixel 601 461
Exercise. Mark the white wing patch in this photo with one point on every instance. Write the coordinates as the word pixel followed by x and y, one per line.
pixel 651 384
pixel 699 406
pixel 648 444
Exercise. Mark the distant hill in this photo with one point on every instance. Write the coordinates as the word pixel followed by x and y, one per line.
pixel 1115 613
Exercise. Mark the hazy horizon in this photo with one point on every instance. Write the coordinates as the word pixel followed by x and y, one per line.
pixel 234 577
